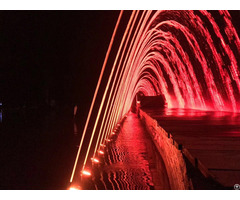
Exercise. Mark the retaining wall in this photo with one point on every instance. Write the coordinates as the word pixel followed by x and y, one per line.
pixel 171 153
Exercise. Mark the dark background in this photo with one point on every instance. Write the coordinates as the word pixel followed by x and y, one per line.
pixel 49 62
pixel 52 57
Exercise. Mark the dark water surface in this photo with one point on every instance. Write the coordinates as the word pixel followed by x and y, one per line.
pixel 37 150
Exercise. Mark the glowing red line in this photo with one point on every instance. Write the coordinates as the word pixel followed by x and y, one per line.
pixel 103 99
pixel 152 48
pixel 115 103
pixel 114 106
pixel 109 98
pixel 95 93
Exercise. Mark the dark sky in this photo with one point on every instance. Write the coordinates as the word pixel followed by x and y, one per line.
pixel 52 55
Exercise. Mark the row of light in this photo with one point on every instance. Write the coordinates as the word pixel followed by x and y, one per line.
pixel 92 106
pixel 95 160
pixel 114 109
pixel 117 89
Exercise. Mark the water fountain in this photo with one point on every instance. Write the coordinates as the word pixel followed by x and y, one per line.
pixel 189 57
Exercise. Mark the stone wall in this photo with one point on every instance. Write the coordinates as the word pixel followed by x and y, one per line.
pixel 170 152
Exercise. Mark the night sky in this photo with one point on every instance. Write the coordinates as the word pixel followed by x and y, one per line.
pixel 52 55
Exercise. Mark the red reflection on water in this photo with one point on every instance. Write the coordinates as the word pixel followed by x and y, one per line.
pixel 127 164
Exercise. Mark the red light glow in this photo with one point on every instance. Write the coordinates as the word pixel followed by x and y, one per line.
pixel 100 152
pixel 93 101
pixel 87 173
pixel 176 54
pixel 95 160
pixel 74 188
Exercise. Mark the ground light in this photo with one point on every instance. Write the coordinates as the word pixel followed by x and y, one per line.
pixel 86 173
pixel 101 152
pixel 74 188
pixel 95 160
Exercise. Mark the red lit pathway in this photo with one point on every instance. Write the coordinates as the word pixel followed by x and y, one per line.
pixel 132 161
